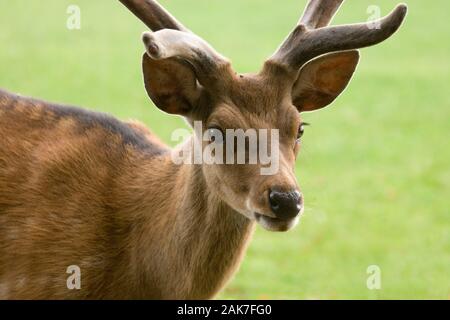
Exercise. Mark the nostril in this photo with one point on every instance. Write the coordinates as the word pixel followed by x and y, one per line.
pixel 274 201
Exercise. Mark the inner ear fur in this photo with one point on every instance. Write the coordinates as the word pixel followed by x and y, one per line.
pixel 323 79
pixel 171 84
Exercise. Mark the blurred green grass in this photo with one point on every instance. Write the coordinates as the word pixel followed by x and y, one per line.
pixel 374 167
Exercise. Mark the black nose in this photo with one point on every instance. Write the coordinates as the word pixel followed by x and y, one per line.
pixel 285 205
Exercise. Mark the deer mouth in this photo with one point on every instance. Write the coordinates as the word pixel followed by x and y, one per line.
pixel 276 224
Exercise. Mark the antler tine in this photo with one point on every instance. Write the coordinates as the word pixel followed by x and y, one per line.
pixel 153 15
pixel 318 13
pixel 210 67
pixel 172 40
pixel 304 44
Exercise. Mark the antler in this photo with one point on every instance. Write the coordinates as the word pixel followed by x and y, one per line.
pixel 318 14
pixel 153 15
pixel 178 43
pixel 207 62
pixel 311 39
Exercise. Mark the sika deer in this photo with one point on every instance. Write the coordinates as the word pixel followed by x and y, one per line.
pixel 82 188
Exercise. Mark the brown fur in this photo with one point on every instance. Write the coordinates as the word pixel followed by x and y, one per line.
pixel 76 195
pixel 82 188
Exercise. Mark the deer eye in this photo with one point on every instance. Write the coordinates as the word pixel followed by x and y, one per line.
pixel 215 134
pixel 301 130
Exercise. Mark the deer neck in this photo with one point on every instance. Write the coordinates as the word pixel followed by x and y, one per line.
pixel 203 238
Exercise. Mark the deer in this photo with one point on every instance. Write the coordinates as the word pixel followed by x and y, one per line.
pixel 82 188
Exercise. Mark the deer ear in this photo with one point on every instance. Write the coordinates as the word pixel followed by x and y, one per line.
pixel 170 84
pixel 323 79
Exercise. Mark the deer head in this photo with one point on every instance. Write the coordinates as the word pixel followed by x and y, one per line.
pixel 185 76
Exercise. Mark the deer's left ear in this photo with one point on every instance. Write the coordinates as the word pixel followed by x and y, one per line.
pixel 171 85
pixel 322 80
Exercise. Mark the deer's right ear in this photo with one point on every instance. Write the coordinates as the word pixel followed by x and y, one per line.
pixel 323 79
pixel 171 85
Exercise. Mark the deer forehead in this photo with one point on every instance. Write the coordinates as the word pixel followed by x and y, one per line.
pixel 259 95
pixel 257 114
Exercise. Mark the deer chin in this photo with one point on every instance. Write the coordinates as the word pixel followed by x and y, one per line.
pixel 275 224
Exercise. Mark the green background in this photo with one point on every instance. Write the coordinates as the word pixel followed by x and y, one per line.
pixel 374 167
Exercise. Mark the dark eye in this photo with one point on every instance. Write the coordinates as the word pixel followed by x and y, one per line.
pixel 215 134
pixel 301 130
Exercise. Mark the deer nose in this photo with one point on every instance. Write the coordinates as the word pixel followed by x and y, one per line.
pixel 285 205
